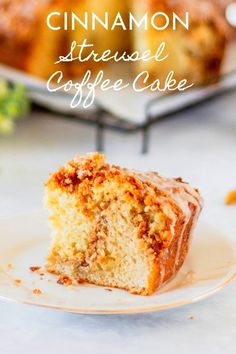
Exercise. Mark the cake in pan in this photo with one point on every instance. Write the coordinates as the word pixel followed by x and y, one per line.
pixel 117 227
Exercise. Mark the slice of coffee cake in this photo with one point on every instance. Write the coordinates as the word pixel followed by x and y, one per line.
pixel 117 227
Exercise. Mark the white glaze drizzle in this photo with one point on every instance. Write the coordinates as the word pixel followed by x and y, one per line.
pixel 182 194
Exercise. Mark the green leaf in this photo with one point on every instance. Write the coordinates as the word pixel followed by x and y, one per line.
pixel 4 90
pixel 6 126
pixel 14 104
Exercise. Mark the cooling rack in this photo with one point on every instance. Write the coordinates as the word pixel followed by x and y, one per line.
pixel 154 107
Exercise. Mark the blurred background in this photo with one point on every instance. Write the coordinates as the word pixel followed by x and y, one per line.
pixel 192 134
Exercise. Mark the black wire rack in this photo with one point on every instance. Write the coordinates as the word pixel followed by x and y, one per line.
pixel 103 119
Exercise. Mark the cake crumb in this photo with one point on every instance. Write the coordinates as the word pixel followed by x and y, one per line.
pixel 34 268
pixel 230 197
pixel 9 266
pixel 191 317
pixel 64 280
pixel 37 292
pixel 107 289
pixel 18 282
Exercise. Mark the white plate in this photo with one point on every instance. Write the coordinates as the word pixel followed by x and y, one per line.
pixel 24 242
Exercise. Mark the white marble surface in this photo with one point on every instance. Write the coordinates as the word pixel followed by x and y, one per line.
pixel 200 145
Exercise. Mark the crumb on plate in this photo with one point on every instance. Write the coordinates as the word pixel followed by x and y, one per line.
pixel 230 197
pixel 37 292
pixel 34 268
pixel 18 282
pixel 64 280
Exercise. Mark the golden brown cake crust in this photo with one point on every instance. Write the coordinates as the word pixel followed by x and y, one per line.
pixel 199 11
pixel 21 23
pixel 199 55
pixel 17 21
pixel 167 252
